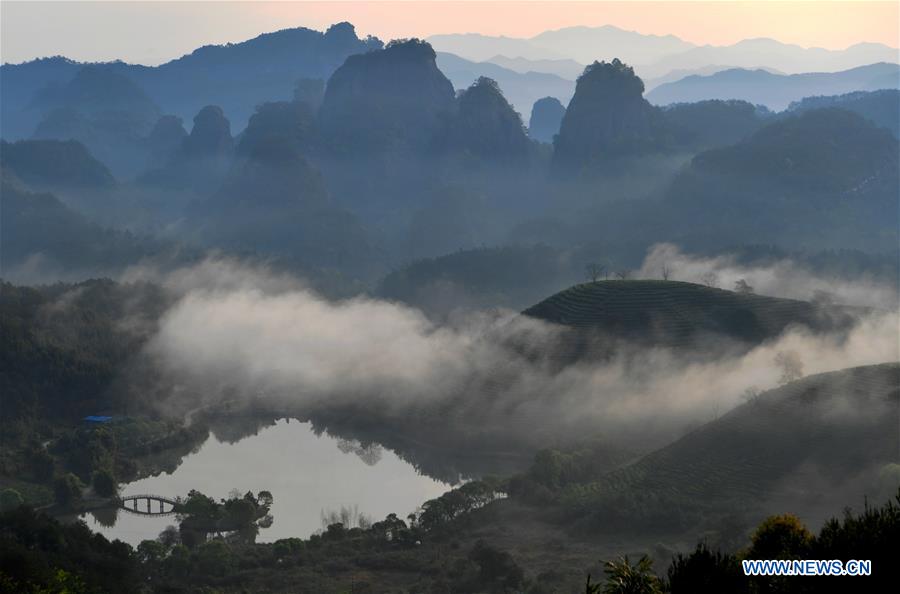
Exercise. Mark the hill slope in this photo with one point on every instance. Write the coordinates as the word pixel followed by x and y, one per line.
pixel 824 175
pixel 882 108
pixel 804 444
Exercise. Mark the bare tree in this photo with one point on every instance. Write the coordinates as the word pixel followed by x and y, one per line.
pixel 594 271
pixel 666 271
pixel 791 366
pixel 710 279
pixel 751 394
pixel 744 287
pixel 622 274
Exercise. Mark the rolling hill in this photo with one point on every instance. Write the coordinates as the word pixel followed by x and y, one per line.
pixel 817 176
pixel 675 314
pixel 882 108
pixel 810 445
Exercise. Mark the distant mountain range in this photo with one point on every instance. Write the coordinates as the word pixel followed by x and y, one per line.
pixel 581 44
pixel 520 89
pixel 769 53
pixel 236 76
pixel 775 91
pixel 239 76
pixel 655 56
pixel 565 68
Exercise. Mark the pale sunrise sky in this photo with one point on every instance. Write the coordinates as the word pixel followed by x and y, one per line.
pixel 154 32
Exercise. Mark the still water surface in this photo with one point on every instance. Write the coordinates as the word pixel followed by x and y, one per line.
pixel 307 474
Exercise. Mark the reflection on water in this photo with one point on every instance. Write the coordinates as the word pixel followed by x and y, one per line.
pixel 308 475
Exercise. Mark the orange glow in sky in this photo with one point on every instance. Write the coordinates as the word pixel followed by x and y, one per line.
pixel 153 32
pixel 834 25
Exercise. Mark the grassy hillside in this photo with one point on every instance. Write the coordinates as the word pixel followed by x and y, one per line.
pixel 677 314
pixel 800 445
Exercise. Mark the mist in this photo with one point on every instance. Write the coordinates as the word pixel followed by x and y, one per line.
pixel 242 333
pixel 783 278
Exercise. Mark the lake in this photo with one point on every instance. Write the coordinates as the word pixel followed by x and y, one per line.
pixel 307 474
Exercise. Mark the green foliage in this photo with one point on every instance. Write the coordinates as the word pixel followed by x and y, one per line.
pixel 624 578
pixel 104 483
pixel 67 489
pixel 38 554
pixel 438 513
pixel 706 572
pixel 10 499
pixel 201 515
pixel 497 571
pixel 151 552
pixel 780 537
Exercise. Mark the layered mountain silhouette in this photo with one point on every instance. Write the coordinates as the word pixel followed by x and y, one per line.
pixel 656 56
pixel 274 202
pixel 201 159
pixel 385 99
pixel 43 239
pixel 775 91
pixel 546 118
pixel 824 175
pixel 55 163
pixel 607 119
pixel 236 76
pixel 485 126
pixel 564 68
pixel 104 110
pixel 763 53
pixel 713 123
pixel 879 107
pixel 521 89
pixel 581 44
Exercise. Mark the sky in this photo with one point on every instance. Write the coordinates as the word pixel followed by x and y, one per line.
pixel 152 32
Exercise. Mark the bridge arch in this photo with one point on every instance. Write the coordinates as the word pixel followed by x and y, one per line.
pixel 148 505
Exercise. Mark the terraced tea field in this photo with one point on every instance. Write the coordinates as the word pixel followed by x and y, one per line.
pixel 675 313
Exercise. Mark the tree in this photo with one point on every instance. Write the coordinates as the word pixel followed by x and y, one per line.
pixel 169 537
pixel 791 366
pixel 104 483
pixel 265 499
pixel 151 551
pixel 710 279
pixel 594 271
pixel 67 489
pixel 742 286
pixel 10 499
pixel 497 569
pixel 666 272
pixel 780 537
pixel 622 274
pixel 705 572
pixel 624 578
